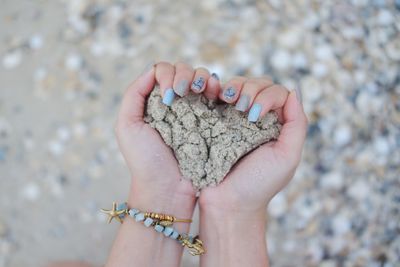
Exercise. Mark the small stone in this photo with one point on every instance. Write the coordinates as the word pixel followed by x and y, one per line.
pixel 168 231
pixel 40 74
pixel 290 39
pixel 56 148
pixel 319 70
pixel 80 130
pixel 359 190
pixel 12 59
pixel 342 135
pixel 73 62
pixel 36 42
pixel 97 49
pixel 385 17
pixel 324 52
pixel 332 180
pixel 381 146
pixel 341 225
pixel 299 61
pixel 64 134
pixel 31 191
pixel 159 228
pixel 281 60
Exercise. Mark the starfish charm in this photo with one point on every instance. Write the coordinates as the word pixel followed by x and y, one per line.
pixel 114 213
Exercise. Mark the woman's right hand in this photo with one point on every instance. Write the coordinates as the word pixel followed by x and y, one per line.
pixel 233 214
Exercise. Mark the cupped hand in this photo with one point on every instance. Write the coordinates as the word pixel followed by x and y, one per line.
pixel 156 177
pixel 256 178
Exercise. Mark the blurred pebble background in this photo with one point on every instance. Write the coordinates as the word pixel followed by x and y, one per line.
pixel 65 64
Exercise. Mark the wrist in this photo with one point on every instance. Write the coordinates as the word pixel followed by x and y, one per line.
pixel 230 221
pixel 177 201
pixel 233 238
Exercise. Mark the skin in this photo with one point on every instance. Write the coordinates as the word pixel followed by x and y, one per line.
pixel 233 214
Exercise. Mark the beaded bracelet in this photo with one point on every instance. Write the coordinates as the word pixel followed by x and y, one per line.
pixel 162 223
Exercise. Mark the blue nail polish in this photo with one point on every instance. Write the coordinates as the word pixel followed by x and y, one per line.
pixel 230 93
pixel 254 112
pixel 214 75
pixel 169 96
pixel 198 84
pixel 182 88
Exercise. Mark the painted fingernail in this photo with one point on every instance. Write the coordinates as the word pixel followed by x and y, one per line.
pixel 254 112
pixel 182 88
pixel 243 103
pixel 169 96
pixel 214 75
pixel 197 84
pixel 229 93
pixel 298 94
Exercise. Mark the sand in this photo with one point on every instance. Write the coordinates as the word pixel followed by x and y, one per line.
pixel 207 137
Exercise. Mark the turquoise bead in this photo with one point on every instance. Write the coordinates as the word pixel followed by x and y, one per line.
pixel 122 206
pixel 133 212
pixel 148 222
pixel 159 228
pixel 168 231
pixel 139 217
pixel 174 234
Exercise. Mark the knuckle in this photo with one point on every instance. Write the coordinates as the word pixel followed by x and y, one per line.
pixel 252 82
pixel 163 64
pixel 202 70
pixel 240 78
pixel 183 65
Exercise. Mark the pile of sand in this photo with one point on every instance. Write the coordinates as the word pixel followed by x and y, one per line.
pixel 208 138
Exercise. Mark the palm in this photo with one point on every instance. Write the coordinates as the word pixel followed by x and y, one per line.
pixel 149 158
pixel 252 182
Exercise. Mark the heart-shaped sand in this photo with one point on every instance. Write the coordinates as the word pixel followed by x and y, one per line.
pixel 207 137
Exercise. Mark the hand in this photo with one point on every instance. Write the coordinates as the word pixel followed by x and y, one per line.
pixel 257 177
pixel 157 184
pixel 233 214
pixel 155 172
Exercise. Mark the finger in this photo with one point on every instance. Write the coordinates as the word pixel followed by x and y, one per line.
pixel 213 87
pixel 231 89
pixel 134 98
pixel 200 79
pixel 291 139
pixel 249 92
pixel 270 98
pixel 183 76
pixel 164 74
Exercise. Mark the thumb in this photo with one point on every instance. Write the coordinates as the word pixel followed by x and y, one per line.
pixel 291 139
pixel 133 102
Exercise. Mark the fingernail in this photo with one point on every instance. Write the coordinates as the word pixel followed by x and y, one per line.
pixel 182 88
pixel 169 96
pixel 299 95
pixel 229 93
pixel 197 84
pixel 148 67
pixel 214 75
pixel 254 113
pixel 243 103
